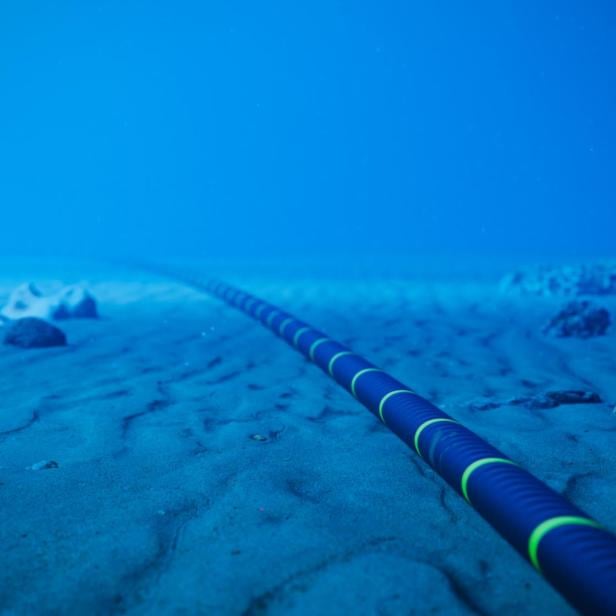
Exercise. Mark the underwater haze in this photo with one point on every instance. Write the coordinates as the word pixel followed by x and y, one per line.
pixel 278 129
pixel 307 308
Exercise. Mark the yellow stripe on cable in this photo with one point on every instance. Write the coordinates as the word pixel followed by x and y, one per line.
pixel 471 468
pixel 335 358
pixel 386 397
pixel 424 425
pixel 360 373
pixel 551 524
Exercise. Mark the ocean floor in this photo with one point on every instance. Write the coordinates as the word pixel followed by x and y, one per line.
pixel 206 468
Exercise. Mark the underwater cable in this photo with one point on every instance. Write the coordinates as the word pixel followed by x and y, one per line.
pixel 570 549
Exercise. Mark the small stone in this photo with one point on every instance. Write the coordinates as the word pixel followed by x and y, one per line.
pixel 258 437
pixel 33 333
pixel 579 319
pixel 44 465
pixel 483 405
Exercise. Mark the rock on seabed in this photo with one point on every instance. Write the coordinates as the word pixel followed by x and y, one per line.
pixel 72 302
pixel 33 333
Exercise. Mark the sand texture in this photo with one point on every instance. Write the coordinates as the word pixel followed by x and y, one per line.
pixel 206 468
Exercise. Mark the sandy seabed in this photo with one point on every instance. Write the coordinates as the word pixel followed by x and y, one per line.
pixel 206 468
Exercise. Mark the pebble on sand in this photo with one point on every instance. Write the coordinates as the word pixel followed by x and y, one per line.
pixel 33 333
pixel 44 465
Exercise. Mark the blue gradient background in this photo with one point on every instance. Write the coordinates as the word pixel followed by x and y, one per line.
pixel 285 129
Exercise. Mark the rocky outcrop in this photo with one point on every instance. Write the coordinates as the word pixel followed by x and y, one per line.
pixel 597 279
pixel 579 319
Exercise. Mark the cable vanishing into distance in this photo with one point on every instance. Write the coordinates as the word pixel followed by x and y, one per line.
pixel 570 549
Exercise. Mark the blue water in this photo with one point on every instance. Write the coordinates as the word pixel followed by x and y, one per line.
pixel 373 168
pixel 322 129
